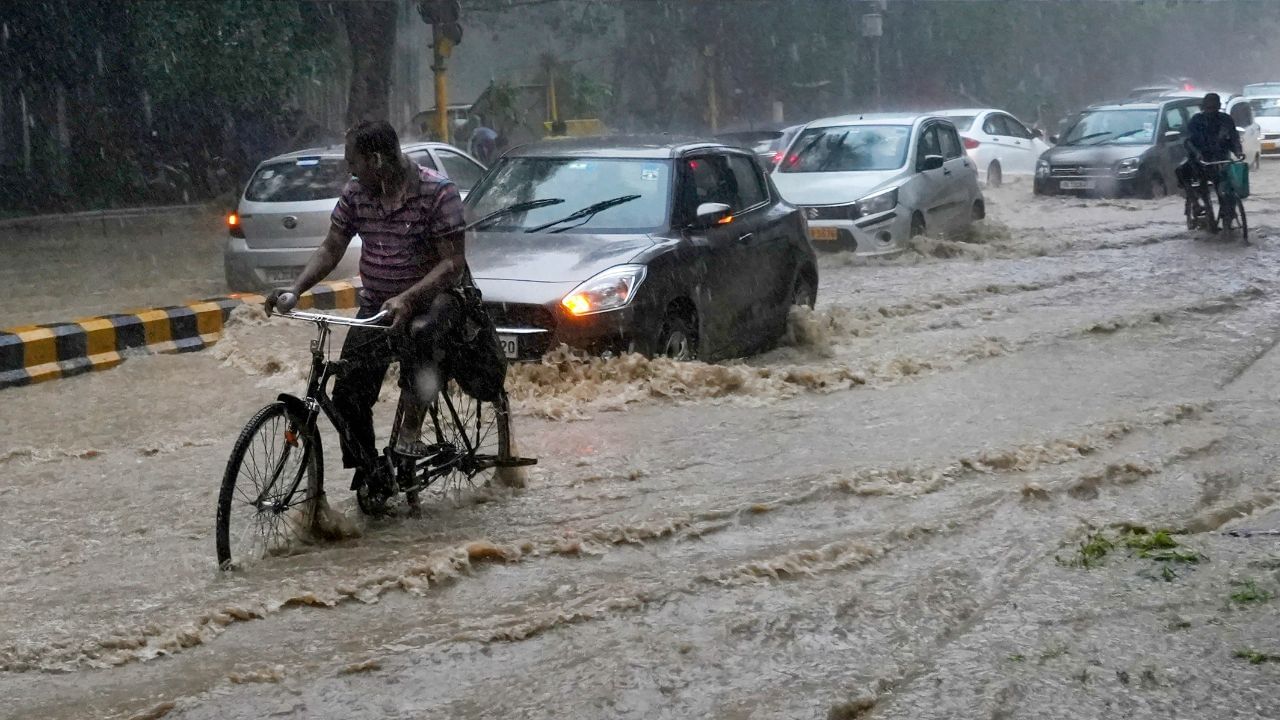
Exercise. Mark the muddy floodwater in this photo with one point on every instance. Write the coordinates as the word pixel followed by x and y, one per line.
pixel 1031 475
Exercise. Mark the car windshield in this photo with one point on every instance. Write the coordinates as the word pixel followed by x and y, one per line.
pixel 849 148
pixel 1119 127
pixel 1265 107
pixel 759 141
pixel 298 180
pixel 581 182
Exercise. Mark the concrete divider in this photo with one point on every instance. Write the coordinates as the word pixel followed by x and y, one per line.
pixel 36 353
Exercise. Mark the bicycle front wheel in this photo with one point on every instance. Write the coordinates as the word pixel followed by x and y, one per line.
pixel 269 489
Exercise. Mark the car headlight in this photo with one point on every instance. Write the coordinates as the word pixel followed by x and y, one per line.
pixel 878 203
pixel 1127 167
pixel 609 290
pixel 1042 168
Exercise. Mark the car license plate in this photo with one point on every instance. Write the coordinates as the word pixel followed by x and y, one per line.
pixel 281 274
pixel 826 234
pixel 1268 146
pixel 510 346
pixel 1077 184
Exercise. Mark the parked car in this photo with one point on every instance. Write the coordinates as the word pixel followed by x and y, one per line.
pixel 1266 113
pixel 661 246
pixel 283 214
pixel 767 141
pixel 1127 148
pixel 999 143
pixel 1164 87
pixel 1241 110
pixel 868 183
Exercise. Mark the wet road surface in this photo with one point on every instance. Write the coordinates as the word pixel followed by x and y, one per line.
pixel 922 505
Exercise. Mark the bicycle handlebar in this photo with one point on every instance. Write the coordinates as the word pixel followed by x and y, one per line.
pixel 373 322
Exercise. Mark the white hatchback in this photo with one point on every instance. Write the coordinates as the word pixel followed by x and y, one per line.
pixel 998 142
pixel 868 183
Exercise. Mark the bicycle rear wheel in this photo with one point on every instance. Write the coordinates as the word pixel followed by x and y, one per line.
pixel 273 477
pixel 477 436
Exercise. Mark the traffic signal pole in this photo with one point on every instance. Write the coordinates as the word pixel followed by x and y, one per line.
pixel 441 46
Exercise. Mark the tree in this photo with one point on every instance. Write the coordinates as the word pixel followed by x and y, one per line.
pixel 371 34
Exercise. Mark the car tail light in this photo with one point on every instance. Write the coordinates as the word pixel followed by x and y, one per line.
pixel 233 226
pixel 970 143
pixel 777 158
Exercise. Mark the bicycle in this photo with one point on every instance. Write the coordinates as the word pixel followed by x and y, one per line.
pixel 1199 208
pixel 280 447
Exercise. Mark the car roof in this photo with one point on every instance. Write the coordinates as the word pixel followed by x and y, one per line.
pixel 885 118
pixel 1138 104
pixel 650 147
pixel 338 151
pixel 955 112
pixel 769 127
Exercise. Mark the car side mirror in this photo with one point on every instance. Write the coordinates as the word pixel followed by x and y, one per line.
pixel 932 162
pixel 1037 134
pixel 712 214
pixel 1053 139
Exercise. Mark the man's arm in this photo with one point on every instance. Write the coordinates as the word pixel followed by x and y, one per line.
pixel 323 261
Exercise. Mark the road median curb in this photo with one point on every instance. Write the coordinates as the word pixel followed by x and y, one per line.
pixel 35 353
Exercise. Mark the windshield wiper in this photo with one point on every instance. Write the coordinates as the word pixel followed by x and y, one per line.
pixel 1123 134
pixel 1087 137
pixel 511 210
pixel 832 147
pixel 585 213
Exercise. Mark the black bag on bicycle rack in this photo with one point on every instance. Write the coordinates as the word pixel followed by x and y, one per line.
pixel 475 360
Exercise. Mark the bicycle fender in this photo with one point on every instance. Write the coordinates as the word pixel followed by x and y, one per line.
pixel 295 406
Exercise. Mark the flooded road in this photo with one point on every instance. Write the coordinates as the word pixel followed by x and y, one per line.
pixel 941 497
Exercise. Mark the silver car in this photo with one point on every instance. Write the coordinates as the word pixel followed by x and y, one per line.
pixel 868 183
pixel 283 215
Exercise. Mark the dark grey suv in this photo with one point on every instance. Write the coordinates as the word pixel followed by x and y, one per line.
pixel 660 246
pixel 1128 148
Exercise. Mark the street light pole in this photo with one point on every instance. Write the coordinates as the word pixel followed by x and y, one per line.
pixel 872 29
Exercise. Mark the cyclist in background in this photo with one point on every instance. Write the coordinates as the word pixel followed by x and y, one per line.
pixel 1211 137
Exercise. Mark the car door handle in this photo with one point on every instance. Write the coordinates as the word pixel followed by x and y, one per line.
pixel 946 171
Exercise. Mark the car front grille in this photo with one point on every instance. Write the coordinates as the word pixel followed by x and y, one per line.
pixel 527 317
pixel 1072 171
pixel 831 212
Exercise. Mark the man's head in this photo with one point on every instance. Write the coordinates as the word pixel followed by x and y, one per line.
pixel 1211 103
pixel 373 153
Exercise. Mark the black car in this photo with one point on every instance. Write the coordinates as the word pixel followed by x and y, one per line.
pixel 665 247
pixel 1128 148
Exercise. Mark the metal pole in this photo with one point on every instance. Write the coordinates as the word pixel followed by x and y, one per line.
pixel 440 50
pixel 875 63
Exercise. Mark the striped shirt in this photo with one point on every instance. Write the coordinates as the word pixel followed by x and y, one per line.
pixel 399 246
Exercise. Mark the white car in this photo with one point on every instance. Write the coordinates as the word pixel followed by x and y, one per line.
pixel 1266 113
pixel 998 142
pixel 869 183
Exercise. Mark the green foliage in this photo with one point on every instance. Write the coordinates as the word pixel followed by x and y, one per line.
pixel 1255 657
pixel 235 54
pixel 1090 552
pixel 1247 592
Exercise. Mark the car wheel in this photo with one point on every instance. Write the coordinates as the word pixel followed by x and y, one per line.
pixel 677 339
pixel 804 293
pixel 1156 188
pixel 979 210
pixel 917 225
pixel 995 176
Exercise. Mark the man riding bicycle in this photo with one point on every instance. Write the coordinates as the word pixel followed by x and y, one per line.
pixel 1211 138
pixel 410 221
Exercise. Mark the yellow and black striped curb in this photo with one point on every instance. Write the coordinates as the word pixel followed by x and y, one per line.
pixel 35 353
